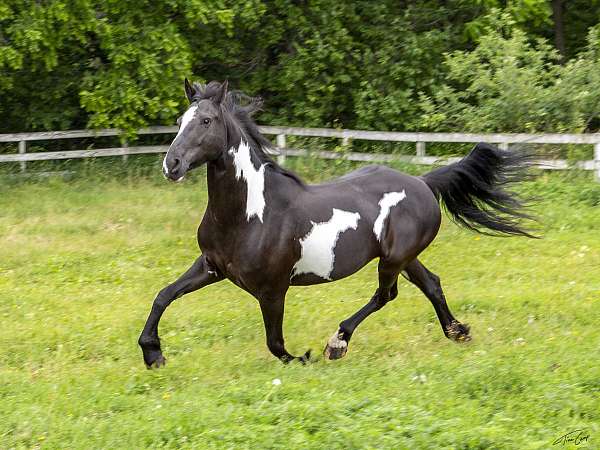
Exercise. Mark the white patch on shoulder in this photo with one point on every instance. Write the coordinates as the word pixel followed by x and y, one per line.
pixel 318 245
pixel 254 178
pixel 386 203
pixel 185 121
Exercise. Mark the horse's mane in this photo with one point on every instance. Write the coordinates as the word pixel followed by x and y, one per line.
pixel 242 107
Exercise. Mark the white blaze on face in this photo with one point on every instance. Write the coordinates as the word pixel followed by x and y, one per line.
pixel 318 245
pixel 188 116
pixel 386 203
pixel 254 178
pixel 186 119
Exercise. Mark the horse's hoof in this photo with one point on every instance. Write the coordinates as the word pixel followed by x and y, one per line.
pixel 156 362
pixel 458 332
pixel 305 359
pixel 336 347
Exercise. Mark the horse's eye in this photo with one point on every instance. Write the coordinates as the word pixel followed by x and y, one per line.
pixel 206 121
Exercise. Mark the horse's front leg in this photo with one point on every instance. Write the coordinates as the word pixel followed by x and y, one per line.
pixel 199 275
pixel 272 307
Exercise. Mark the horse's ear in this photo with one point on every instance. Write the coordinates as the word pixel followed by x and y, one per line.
pixel 220 96
pixel 189 90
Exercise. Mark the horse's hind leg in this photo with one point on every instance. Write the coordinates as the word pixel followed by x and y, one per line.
pixel 429 283
pixel 337 346
pixel 199 275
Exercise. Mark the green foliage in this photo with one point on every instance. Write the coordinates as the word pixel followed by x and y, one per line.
pixel 359 64
pixel 508 83
pixel 530 15
pixel 122 62
pixel 131 88
pixel 41 57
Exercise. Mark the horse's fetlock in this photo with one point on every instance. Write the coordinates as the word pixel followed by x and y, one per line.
pixel 276 347
pixel 148 342
pixel 344 332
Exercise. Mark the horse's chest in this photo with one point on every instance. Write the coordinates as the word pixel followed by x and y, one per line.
pixel 235 251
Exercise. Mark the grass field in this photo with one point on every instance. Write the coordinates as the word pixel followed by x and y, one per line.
pixel 80 263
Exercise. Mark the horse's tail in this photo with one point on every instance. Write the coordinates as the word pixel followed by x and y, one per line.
pixel 473 190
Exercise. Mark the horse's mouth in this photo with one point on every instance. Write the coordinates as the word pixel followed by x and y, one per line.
pixel 174 180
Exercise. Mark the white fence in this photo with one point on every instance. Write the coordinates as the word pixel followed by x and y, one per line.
pixel 420 140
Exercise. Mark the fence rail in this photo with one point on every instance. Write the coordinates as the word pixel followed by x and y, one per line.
pixel 420 139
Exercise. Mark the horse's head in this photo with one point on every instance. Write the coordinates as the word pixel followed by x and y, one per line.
pixel 202 135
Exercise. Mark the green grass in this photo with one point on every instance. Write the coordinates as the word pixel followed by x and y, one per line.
pixel 80 263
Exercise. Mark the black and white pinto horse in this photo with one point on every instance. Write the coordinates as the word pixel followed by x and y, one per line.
pixel 265 230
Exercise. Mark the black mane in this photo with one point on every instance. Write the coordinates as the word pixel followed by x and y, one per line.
pixel 242 107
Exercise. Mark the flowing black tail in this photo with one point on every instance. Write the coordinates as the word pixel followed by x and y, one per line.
pixel 473 190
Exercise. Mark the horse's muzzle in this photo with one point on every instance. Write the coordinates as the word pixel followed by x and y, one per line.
pixel 174 168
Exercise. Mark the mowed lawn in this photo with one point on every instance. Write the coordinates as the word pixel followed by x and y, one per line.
pixel 80 263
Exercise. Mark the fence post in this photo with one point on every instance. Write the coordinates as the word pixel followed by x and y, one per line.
pixel 503 146
pixel 281 147
pixel 125 156
pixel 22 150
pixel 420 148
pixel 597 161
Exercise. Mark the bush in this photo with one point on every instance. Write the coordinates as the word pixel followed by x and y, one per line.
pixel 510 84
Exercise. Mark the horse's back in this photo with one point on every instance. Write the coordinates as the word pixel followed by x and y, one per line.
pixel 359 175
pixel 372 182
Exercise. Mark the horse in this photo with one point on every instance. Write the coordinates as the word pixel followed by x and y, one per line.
pixel 265 229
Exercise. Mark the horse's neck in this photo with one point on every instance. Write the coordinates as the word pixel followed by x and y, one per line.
pixel 236 185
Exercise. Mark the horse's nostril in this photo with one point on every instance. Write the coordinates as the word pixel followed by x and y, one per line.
pixel 176 165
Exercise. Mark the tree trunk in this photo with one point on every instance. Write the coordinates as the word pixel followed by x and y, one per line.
pixel 559 30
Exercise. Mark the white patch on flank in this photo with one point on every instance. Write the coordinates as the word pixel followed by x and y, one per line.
pixel 318 245
pixel 185 121
pixel 254 178
pixel 388 200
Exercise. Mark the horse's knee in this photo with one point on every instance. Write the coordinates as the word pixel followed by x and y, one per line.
pixel 164 298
